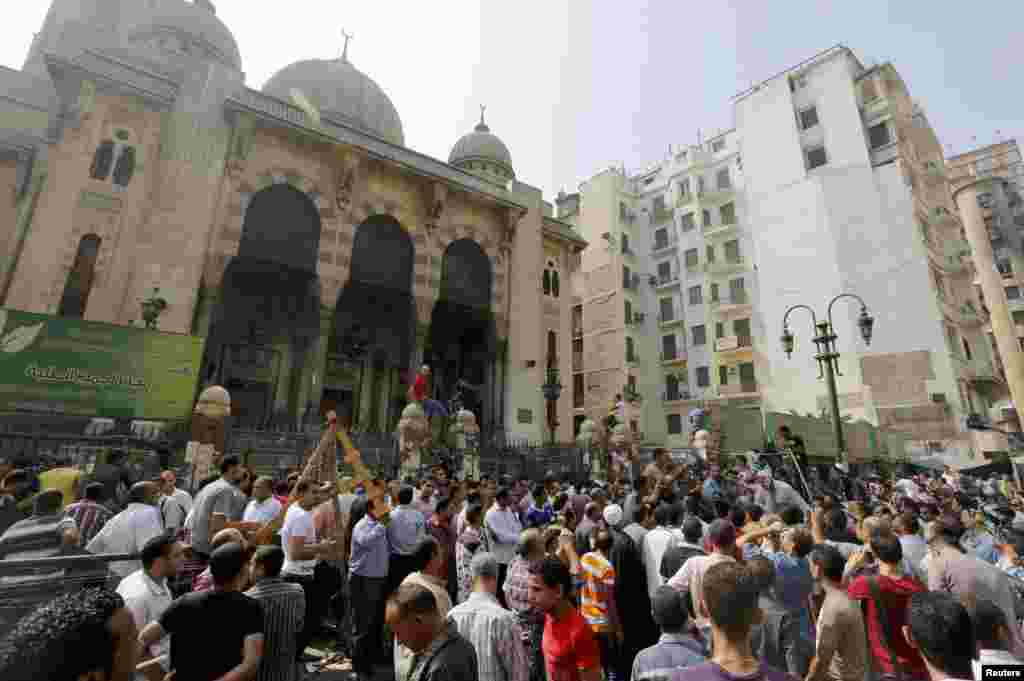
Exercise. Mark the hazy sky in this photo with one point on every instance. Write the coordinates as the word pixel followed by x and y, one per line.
pixel 573 86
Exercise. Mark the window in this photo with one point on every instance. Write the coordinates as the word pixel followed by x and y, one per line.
pixel 659 205
pixel 723 375
pixel 627 278
pixel 630 349
pixel 665 310
pixel 878 135
pixel 546 280
pixel 634 426
pixel 700 184
pixel 741 328
pixel 815 157
pixel 116 157
pixel 967 349
pixel 728 213
pixel 675 423
pixel 665 271
pixel 578 393
pixel 660 239
pixel 1012 292
pixel 732 251
pixel 808 118
pixel 703 377
pixel 706 217
pixel 102 160
pixel 719 330
pixel 700 335
pixel 668 347
pixel 625 244
pixel 723 179
pixel 671 387
pixel 691 257
pixel 737 292
pixel 80 278
pixel 628 312
pixel 717 145
pixel 684 187
pixel 686 222
pixel 631 384
pixel 747 378
pixel 622 211
pixel 713 293
pixel 710 253
pixel 1005 268
pixel 1018 316
pixel 695 295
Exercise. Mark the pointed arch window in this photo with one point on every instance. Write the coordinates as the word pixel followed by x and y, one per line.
pixel 547 282
pixel 552 350
pixel 80 278
pixel 554 284
pixel 102 160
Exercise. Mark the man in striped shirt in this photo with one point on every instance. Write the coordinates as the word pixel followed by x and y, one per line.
pixel 675 648
pixel 89 514
pixel 284 606
pixel 491 629
pixel 597 599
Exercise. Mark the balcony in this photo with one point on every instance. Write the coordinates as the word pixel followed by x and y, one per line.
pixel 668 320
pixel 741 389
pixel 664 247
pixel 661 283
pixel 673 357
pixel 730 344
pixel 577 362
pixel 713 231
pixel 725 267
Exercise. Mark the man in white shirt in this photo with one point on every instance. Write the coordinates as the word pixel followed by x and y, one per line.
pixel 129 530
pixel 773 495
pixel 263 507
pixel 656 542
pixel 302 552
pixel 146 593
pixel 503 528
pixel 175 503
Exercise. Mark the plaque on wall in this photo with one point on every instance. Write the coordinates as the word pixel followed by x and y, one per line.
pixel 525 416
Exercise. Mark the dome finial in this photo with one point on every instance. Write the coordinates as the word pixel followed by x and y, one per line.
pixel 344 52
pixel 481 126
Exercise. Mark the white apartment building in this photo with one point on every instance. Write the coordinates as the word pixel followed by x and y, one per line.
pixel 831 182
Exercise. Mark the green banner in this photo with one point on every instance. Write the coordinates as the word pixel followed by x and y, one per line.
pixel 69 366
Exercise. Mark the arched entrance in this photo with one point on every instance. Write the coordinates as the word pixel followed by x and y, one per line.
pixel 268 313
pixel 462 341
pixel 374 328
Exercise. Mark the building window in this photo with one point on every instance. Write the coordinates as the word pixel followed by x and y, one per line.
pixel 630 349
pixel 102 160
pixel 627 278
pixel 737 292
pixel 747 378
pixel 696 297
pixel 808 118
pixel 879 136
pixel 706 217
pixel 116 159
pixel 1005 268
pixel 700 335
pixel 80 278
pixel 671 387
pixel 700 184
pixel 625 244
pixel 684 187
pixel 703 377
pixel 719 330
pixel 665 310
pixel 629 312
pixel 713 293
pixel 723 375
pixel 1012 292
pixel 554 284
pixel 723 180
pixel 675 423
pixel 741 329
pixel 816 157
pixel 1018 317
pixel 709 253
pixel 634 426
pixel 660 239
pixel 665 271
pixel 686 222
pixel 546 282
pixel 668 347
pixel 622 211
pixel 732 251
pixel 717 146
pixel 691 257
pixel 728 213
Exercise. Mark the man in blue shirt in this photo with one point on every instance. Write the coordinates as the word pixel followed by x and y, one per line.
pixel 676 648
pixel 368 581
pixel 712 490
pixel 406 529
pixel 541 512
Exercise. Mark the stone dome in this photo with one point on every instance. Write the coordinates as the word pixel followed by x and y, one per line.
pixel 481 145
pixel 343 92
pixel 190 28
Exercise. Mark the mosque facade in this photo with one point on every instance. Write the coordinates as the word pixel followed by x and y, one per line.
pixel 322 260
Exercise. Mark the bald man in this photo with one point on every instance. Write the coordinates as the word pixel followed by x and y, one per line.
pixel 129 530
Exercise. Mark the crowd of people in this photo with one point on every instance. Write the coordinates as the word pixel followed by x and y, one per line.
pixel 674 572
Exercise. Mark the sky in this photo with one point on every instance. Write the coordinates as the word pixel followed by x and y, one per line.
pixel 574 86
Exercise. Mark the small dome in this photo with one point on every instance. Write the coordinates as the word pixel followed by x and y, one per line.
pixel 481 145
pixel 188 27
pixel 341 91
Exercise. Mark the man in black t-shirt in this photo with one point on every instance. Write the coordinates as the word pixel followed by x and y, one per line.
pixel 214 634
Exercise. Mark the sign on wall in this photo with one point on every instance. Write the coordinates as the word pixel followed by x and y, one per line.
pixel 69 366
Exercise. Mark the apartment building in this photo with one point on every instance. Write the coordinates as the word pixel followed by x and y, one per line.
pixel 831 182
pixel 988 183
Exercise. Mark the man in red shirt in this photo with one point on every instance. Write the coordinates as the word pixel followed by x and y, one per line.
pixel 894 590
pixel 570 649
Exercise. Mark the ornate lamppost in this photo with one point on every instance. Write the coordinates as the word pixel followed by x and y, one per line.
pixel 827 356
pixel 552 389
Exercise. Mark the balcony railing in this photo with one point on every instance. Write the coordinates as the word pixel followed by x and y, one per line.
pixel 672 355
pixel 730 343
pixel 666 280
pixel 671 318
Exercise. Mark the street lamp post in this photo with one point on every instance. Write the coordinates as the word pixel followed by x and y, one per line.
pixel 827 356
pixel 552 389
